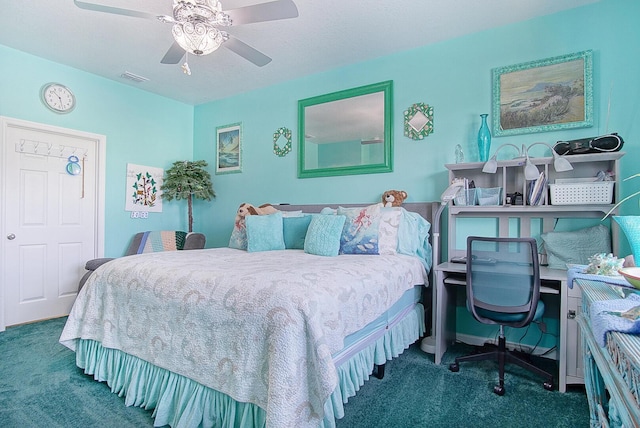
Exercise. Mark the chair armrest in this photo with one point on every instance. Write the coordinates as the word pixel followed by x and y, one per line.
pixel 194 241
pixel 96 263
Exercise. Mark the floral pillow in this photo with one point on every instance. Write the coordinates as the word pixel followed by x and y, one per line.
pixel 238 238
pixel 360 232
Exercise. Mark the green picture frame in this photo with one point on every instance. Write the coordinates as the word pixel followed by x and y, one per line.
pixel 544 95
pixel 346 132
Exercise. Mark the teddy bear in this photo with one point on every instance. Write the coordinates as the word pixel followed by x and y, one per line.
pixel 394 198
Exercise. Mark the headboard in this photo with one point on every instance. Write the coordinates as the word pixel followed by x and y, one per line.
pixel 426 209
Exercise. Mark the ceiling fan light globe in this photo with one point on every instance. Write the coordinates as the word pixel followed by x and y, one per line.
pixel 199 38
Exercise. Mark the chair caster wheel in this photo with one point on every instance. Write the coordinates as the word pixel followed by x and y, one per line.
pixel 548 386
pixel 454 367
pixel 499 390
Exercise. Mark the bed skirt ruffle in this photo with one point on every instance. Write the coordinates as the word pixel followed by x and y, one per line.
pixel 181 402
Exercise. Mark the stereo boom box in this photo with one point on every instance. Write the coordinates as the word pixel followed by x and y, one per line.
pixel 604 143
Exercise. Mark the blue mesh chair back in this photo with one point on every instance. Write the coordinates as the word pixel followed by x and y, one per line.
pixel 503 280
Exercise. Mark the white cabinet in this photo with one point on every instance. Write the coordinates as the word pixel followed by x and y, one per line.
pixel 528 220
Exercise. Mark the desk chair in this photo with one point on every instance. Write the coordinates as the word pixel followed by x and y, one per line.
pixel 503 287
pixel 145 242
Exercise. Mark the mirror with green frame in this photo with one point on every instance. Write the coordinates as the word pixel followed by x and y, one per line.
pixel 346 132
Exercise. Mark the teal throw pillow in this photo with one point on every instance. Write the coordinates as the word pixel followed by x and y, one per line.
pixel 295 230
pixel 323 235
pixel 264 232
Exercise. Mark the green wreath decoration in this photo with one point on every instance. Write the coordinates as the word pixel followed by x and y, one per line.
pixel 282 132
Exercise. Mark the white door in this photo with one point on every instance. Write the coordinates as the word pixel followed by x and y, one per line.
pixel 51 217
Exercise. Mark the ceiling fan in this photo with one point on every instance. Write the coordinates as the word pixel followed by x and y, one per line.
pixel 195 26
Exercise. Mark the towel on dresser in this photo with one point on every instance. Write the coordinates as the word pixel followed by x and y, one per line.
pixel 578 272
pixel 607 315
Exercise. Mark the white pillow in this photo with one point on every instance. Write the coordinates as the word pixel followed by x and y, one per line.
pixel 297 213
pixel 329 211
pixel 388 230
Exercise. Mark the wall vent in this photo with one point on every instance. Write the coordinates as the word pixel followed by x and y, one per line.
pixel 134 77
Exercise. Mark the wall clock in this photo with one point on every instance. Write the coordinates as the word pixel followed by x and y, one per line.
pixel 58 98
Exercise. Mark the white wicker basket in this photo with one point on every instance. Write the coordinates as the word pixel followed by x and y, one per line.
pixel 581 192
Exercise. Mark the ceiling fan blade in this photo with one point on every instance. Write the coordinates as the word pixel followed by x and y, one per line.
pixel 247 52
pixel 116 10
pixel 174 55
pixel 271 11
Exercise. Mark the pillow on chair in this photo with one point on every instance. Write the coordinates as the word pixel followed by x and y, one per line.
pixel 577 246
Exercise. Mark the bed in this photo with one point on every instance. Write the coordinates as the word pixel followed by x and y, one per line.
pixel 230 337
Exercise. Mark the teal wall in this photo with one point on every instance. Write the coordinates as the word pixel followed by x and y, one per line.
pixel 455 78
pixel 140 128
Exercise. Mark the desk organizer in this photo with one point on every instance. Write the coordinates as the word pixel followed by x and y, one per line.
pixel 464 198
pixel 579 192
pixel 489 196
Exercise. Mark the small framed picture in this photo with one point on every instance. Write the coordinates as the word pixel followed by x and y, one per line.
pixel 545 95
pixel 229 148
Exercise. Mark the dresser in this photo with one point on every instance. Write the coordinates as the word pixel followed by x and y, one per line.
pixel 611 373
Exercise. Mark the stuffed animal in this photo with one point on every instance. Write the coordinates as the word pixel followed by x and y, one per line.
pixel 394 198
pixel 248 209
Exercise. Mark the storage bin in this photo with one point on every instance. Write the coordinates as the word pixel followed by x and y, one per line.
pixel 467 197
pixel 581 192
pixel 489 195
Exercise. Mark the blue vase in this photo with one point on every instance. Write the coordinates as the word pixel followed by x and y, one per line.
pixel 630 226
pixel 484 139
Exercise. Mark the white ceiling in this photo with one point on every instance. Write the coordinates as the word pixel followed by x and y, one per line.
pixel 327 34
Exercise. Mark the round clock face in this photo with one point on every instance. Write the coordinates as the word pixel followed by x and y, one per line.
pixel 58 97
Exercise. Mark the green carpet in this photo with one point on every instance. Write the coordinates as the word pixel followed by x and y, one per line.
pixel 40 386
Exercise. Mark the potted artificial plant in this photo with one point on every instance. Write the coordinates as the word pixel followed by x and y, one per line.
pixel 188 180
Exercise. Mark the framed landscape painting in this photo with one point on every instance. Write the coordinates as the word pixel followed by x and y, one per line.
pixel 229 148
pixel 545 95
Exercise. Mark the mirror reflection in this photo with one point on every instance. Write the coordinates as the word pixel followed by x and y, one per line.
pixel 347 132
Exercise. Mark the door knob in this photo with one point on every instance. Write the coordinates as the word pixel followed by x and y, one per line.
pixel 11 237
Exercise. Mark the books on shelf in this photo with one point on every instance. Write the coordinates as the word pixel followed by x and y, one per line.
pixel 537 189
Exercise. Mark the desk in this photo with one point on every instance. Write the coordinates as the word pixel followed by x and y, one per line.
pixel 614 368
pixel 450 276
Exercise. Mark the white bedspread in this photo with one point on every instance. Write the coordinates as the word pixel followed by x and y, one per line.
pixel 260 327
